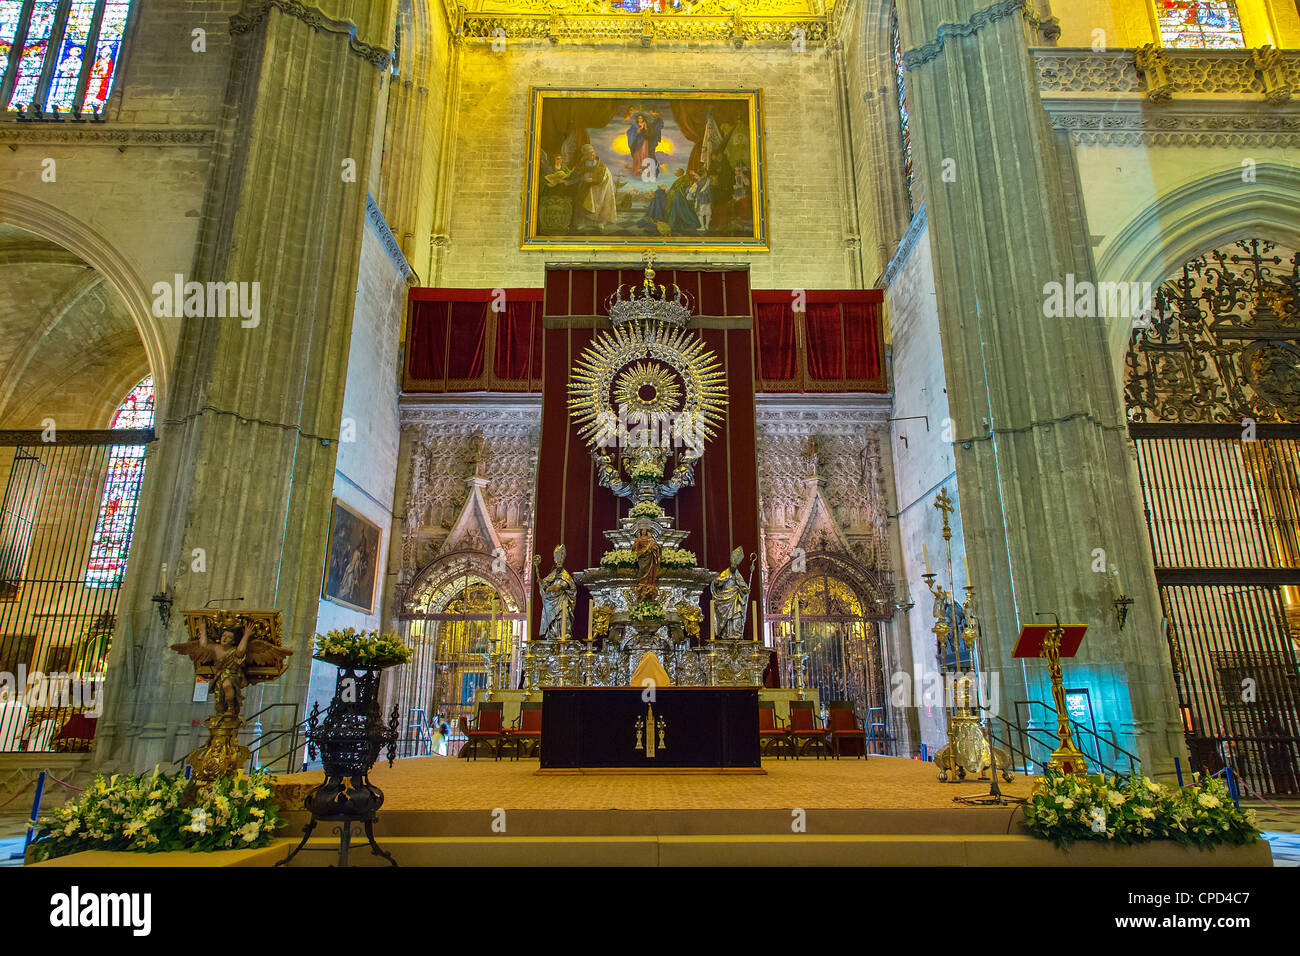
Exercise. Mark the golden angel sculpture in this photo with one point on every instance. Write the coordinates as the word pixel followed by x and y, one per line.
pixel 246 651
pixel 234 661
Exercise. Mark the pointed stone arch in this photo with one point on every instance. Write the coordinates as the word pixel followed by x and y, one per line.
pixel 76 236
pixel 1203 213
pixel 436 583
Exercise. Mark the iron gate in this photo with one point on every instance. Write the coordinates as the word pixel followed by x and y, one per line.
pixel 66 520
pixel 1222 513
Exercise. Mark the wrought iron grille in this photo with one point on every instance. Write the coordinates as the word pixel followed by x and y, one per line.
pixel 453 658
pixel 1222 515
pixel 1213 395
pixel 55 630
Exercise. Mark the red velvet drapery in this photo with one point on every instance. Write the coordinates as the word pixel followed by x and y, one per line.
pixel 819 341
pixel 462 340
pixel 721 510
pixel 774 331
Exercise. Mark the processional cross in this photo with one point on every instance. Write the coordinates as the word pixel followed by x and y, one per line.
pixel 945 505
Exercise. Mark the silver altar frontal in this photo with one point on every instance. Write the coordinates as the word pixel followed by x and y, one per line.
pixel 646 396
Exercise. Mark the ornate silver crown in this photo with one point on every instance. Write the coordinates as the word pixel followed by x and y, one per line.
pixel 649 302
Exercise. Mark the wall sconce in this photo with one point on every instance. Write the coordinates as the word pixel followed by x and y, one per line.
pixel 1122 601
pixel 164 602
pixel 1121 605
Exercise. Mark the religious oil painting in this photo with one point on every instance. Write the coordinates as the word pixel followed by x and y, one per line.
pixel 615 169
pixel 353 559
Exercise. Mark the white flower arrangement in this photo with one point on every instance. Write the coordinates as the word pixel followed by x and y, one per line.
pixel 1066 808
pixel 152 812
pixel 352 648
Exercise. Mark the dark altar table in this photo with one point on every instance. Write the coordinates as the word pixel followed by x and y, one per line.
pixel 682 729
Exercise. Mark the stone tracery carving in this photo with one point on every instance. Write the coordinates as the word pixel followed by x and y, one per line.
pixel 834 452
pixel 445 448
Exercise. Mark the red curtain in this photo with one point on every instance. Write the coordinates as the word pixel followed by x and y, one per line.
pixel 861 347
pixel 468 339
pixel 561 116
pixel 428 341
pixel 691 116
pixel 519 343
pixel 825 344
pixel 775 338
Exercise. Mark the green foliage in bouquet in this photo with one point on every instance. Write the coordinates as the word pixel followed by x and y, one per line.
pixel 645 471
pixel 646 611
pixel 1066 808
pixel 646 509
pixel 677 558
pixel 618 558
pixel 156 812
pixel 352 648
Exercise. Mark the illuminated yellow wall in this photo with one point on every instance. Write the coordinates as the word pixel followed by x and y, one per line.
pixel 1131 23
pixel 807 198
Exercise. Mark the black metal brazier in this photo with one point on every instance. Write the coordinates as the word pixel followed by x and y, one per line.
pixel 349 740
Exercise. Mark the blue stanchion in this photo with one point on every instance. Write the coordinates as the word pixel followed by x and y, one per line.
pixel 1232 786
pixel 36 815
pixel 1178 769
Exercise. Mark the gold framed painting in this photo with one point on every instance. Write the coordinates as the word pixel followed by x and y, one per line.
pixel 351 559
pixel 638 169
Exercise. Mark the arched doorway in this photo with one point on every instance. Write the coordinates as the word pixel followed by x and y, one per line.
pixel 465 623
pixel 1212 388
pixel 843 611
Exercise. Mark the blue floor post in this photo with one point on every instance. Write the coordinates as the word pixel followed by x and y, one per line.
pixel 1178 769
pixel 1232 786
pixel 36 814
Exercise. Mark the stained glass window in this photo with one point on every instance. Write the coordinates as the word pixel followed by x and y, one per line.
pixel 904 119
pixel 1200 26
pixel 67 53
pixel 111 542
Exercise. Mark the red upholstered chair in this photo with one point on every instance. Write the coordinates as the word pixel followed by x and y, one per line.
pixel 844 729
pixel 486 730
pixel 772 733
pixel 526 730
pixel 804 731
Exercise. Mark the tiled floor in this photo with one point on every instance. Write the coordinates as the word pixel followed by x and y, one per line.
pixel 13 831
pixel 1285 847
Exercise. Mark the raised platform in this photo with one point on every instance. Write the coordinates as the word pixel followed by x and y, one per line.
pixel 881 812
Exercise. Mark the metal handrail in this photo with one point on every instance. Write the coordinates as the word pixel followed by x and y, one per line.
pixel 1079 728
pixel 268 737
pixel 1029 732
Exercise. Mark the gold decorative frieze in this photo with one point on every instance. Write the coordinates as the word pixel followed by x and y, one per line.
pixel 734 22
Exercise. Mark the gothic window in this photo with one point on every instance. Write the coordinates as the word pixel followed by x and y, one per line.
pixel 111 542
pixel 905 124
pixel 1199 26
pixel 60 54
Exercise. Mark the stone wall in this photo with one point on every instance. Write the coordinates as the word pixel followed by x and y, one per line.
pixel 807 200
pixel 923 459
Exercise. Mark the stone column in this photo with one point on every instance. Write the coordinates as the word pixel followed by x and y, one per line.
pixel 1045 468
pixel 238 488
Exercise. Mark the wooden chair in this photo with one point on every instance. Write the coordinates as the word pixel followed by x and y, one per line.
pixel 843 720
pixel 772 732
pixel 486 729
pixel 804 731
pixel 526 729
